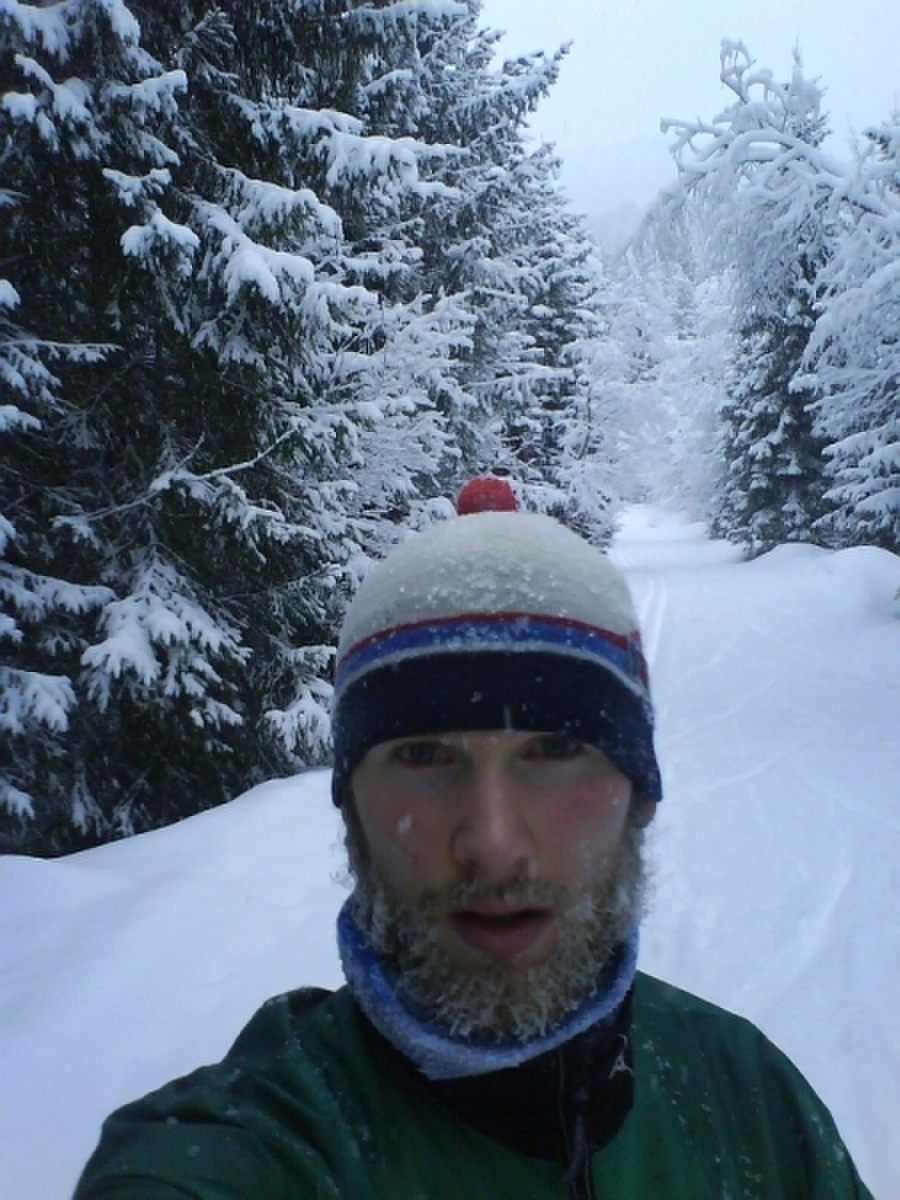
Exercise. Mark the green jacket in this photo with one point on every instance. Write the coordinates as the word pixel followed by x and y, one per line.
pixel 310 1105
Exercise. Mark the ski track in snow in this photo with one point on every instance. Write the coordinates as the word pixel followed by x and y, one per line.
pixel 776 847
pixel 775 853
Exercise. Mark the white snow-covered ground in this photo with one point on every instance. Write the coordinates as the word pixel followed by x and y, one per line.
pixel 776 851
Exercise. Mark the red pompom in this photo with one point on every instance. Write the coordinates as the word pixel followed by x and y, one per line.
pixel 486 493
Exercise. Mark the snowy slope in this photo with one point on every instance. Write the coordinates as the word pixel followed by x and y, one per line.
pixel 776 851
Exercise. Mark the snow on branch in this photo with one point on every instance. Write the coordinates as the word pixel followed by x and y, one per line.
pixel 370 20
pixel 259 203
pixel 769 128
pixel 372 156
pixel 46 25
pixel 121 20
pixel 133 188
pixel 29 699
pixel 12 417
pixel 306 720
pixel 150 95
pixel 15 801
pixel 141 241
pixel 35 597
pixel 54 26
pixel 160 638
pixel 304 124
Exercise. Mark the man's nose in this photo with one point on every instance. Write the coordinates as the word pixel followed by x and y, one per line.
pixel 492 840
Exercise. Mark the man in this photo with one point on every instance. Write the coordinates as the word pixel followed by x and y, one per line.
pixel 495 767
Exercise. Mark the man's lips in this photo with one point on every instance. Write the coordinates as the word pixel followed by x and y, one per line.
pixel 499 929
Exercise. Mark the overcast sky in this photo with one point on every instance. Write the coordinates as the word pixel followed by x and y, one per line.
pixel 635 61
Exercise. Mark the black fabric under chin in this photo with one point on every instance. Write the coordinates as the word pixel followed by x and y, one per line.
pixel 564 1105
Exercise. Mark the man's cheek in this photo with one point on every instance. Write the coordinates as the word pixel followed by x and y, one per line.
pixel 410 853
pixel 579 840
pixel 593 811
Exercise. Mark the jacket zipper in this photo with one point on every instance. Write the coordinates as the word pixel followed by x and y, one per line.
pixel 579 1179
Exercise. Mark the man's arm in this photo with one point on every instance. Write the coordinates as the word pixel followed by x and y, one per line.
pixel 143 1155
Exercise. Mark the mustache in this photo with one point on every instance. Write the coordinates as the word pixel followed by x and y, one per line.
pixel 519 891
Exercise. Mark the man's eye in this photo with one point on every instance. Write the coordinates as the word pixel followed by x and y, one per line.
pixel 557 745
pixel 422 754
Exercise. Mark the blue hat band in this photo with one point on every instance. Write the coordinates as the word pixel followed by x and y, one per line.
pixel 394 686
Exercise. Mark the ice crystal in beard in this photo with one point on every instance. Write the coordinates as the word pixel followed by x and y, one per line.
pixel 504 997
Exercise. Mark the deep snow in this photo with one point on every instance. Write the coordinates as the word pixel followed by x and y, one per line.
pixel 776 852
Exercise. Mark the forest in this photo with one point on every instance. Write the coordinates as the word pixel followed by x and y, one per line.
pixel 277 276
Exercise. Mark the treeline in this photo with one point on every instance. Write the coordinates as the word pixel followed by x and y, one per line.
pixel 277 276
pixel 767 350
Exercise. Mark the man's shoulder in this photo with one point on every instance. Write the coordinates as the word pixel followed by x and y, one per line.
pixel 292 1092
pixel 299 1006
pixel 673 1028
pixel 714 1094
pixel 655 1000
pixel 664 1013
pixel 304 1017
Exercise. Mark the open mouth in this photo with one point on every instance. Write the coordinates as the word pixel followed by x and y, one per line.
pixel 502 933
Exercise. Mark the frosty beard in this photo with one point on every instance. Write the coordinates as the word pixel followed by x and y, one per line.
pixel 500 997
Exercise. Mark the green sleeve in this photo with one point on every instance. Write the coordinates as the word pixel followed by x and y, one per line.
pixel 807 1123
pixel 214 1135
pixel 145 1155
pixel 219 1133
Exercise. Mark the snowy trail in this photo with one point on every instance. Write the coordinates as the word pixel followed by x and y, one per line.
pixel 778 843
pixel 776 857
pixel 653 551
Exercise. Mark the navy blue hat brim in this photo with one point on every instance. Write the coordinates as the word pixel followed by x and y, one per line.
pixel 494 689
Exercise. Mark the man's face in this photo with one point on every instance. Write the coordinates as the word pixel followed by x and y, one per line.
pixel 497 871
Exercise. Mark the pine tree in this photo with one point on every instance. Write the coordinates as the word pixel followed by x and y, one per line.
pixel 853 356
pixel 767 190
pixel 542 409
pixel 771 490
pixel 180 526
pixel 266 273
pixel 39 609
pixel 87 107
pixel 475 236
pixel 568 320
pixel 657 367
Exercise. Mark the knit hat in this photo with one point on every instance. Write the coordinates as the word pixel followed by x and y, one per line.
pixel 495 619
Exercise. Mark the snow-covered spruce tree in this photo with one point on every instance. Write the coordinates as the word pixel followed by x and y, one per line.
pixel 679 334
pixel 552 422
pixel 853 355
pixel 476 239
pixel 346 348
pixel 500 251
pixel 766 190
pixel 410 349
pixel 83 100
pixel 655 371
pixel 570 409
pixel 38 609
pixel 188 492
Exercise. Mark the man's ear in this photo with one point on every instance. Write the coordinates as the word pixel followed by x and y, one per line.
pixel 643 809
pixel 354 838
